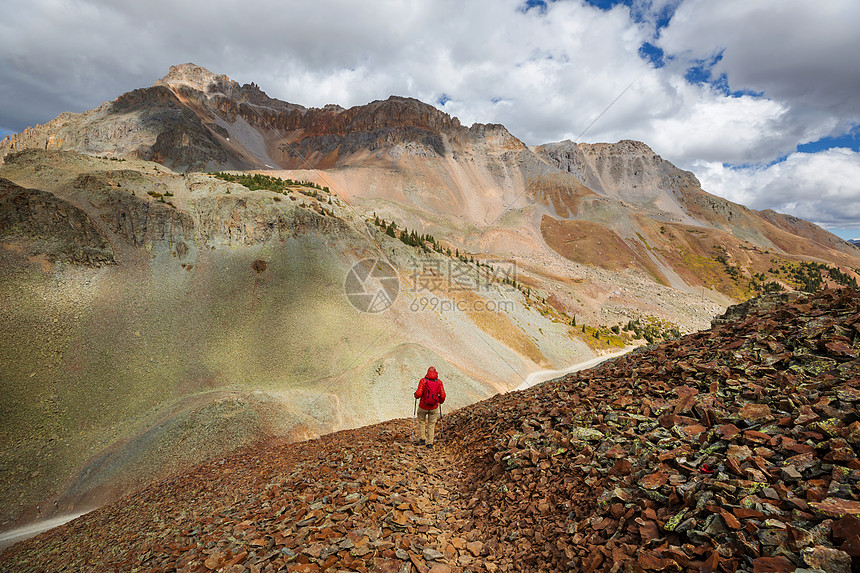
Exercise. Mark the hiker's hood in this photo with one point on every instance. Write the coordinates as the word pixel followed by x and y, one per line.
pixel 431 374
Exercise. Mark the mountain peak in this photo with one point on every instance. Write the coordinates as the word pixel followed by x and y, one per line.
pixel 626 147
pixel 191 75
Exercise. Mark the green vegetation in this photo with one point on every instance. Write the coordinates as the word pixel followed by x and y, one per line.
pixel 733 271
pixel 809 276
pixel 601 337
pixel 426 242
pixel 842 278
pixel 652 329
pixel 805 276
pixel 260 182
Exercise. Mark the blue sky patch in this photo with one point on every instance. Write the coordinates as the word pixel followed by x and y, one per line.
pixel 652 54
pixel 665 16
pixel 608 4
pixel 700 72
pixel 845 233
pixel 443 99
pixel 743 166
pixel 539 5
pixel 851 140
pixel 639 13
pixel 722 84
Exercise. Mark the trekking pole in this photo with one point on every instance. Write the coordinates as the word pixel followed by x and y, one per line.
pixel 414 413
pixel 441 425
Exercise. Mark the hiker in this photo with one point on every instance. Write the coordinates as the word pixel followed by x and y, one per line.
pixel 432 394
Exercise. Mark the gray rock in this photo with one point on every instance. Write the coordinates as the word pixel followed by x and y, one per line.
pixel 432 554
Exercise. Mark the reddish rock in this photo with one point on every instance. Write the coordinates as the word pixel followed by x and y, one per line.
pixel 654 480
pixel 728 431
pixel 755 412
pixel 622 467
pixel 387 566
pixel 851 546
pixel 475 547
pixel 648 529
pixel 304 568
pixel 846 527
pixel 214 561
pixel 739 453
pixel 711 563
pixel 746 513
pixel 734 466
pixel 730 520
pixel 806 416
pixel 419 564
pixel 757 437
pixel 772 565
pixel 649 561
pixel 694 430
pixel 836 507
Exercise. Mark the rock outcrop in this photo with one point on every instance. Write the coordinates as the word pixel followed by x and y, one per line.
pixel 627 170
pixel 757 304
pixel 37 223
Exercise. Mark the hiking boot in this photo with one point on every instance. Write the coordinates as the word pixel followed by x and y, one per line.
pixel 420 442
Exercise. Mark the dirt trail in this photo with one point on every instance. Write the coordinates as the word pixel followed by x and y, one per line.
pixel 544 375
pixel 8 538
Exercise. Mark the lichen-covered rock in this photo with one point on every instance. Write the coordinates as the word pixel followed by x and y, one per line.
pixel 827 559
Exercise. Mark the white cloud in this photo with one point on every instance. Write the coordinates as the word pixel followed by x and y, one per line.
pixel 819 187
pixel 797 51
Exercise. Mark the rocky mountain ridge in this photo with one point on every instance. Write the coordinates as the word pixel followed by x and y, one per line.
pixel 188 118
pixel 728 450
pixel 403 151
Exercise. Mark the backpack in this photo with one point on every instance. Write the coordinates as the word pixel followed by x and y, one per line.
pixel 432 392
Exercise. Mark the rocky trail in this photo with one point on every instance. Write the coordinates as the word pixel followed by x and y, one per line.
pixel 733 449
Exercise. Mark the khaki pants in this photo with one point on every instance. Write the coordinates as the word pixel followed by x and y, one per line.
pixel 427 418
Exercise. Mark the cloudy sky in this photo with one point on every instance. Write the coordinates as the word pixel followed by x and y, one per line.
pixel 760 99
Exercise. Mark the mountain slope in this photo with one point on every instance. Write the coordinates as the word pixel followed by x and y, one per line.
pixel 153 320
pixel 664 213
pixel 733 449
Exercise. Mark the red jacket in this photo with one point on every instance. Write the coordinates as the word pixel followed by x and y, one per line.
pixel 432 385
